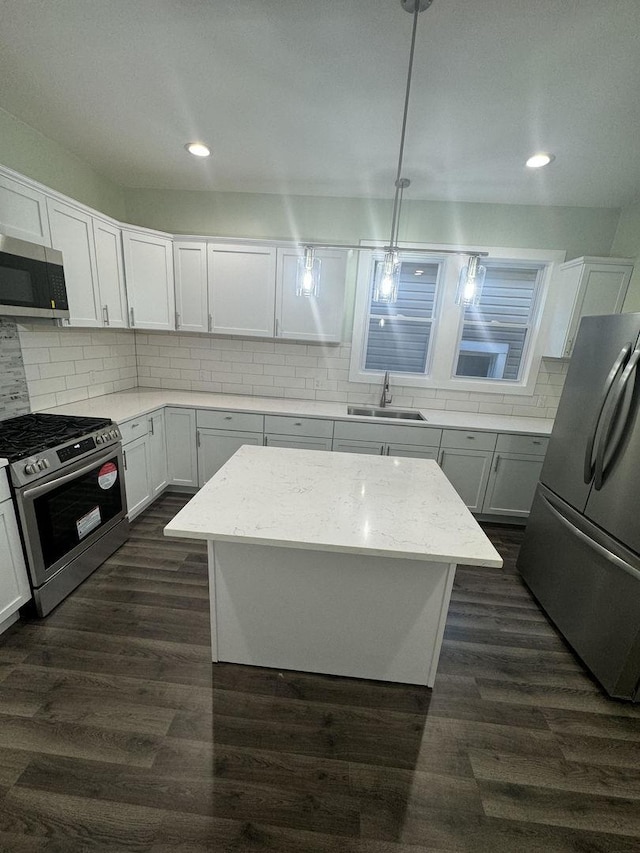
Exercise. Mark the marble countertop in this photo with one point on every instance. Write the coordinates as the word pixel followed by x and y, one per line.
pixel 123 405
pixel 341 502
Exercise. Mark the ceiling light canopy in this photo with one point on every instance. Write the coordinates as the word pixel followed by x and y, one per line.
pixel 536 161
pixel 198 149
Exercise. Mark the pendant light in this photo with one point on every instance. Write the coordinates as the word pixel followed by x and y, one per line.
pixel 387 271
pixel 470 283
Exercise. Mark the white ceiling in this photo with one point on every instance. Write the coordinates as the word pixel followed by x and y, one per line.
pixel 306 97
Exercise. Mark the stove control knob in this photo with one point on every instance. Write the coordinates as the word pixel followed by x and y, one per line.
pixel 40 464
pixel 113 433
pixel 30 469
pixel 47 464
pixel 99 439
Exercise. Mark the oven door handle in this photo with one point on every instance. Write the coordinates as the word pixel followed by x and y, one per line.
pixel 36 491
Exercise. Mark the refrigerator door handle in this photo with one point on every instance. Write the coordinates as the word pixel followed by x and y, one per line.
pixel 614 373
pixel 610 418
pixel 595 546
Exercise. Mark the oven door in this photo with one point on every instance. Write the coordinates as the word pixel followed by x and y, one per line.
pixel 66 513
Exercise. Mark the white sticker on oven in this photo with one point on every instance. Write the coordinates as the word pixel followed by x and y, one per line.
pixel 88 522
pixel 107 475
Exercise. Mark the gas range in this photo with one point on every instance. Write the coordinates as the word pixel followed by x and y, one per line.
pixel 39 444
pixel 67 475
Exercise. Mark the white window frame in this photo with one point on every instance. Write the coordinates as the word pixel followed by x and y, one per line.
pixel 448 319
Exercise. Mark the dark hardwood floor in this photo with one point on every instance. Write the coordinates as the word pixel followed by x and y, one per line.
pixel 118 734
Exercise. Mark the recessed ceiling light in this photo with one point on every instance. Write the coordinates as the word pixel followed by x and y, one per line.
pixel 197 149
pixel 541 159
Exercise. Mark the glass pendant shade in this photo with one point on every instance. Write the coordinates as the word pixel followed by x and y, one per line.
pixel 470 283
pixel 387 278
pixel 308 274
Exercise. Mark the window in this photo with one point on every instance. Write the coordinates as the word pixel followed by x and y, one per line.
pixel 496 332
pixel 399 335
pixel 428 341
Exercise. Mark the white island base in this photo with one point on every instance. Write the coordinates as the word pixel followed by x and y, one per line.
pixel 332 562
pixel 318 611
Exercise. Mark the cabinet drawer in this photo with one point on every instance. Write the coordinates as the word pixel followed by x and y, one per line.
pixel 242 421
pixel 298 426
pixel 134 428
pixel 534 444
pixel 5 491
pixel 471 439
pixel 417 435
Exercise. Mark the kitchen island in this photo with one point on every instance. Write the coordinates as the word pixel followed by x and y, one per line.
pixel 332 562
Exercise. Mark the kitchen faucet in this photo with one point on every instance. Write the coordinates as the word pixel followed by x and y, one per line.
pixel 385 397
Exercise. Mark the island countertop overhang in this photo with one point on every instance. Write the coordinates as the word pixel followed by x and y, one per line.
pixel 337 502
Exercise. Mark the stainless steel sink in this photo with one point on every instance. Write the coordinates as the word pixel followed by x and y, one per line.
pixel 379 412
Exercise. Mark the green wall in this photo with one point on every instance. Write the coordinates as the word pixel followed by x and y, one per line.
pixel 577 230
pixel 626 244
pixel 29 152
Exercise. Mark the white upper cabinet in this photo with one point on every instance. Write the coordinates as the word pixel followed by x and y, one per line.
pixel 242 283
pixel 148 267
pixel 23 212
pixel 113 299
pixel 72 234
pixel 581 288
pixel 192 300
pixel 311 318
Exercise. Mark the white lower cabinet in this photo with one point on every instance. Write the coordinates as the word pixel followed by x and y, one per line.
pixel 136 477
pixel 158 472
pixel 14 582
pixel 512 484
pixel 300 433
pixel 419 442
pixel 468 473
pixel 515 472
pixel 220 434
pixel 182 459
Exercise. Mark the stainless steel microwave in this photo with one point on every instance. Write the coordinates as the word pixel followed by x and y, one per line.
pixel 31 280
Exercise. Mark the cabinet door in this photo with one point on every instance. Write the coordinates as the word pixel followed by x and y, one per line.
pixel 342 445
pixel 14 584
pixel 110 270
pixel 23 213
pixel 311 318
pixel 158 472
pixel 216 446
pixel 299 442
pixel 72 234
pixel 136 476
pixel 148 267
pixel 190 267
pixel 242 282
pixel 182 460
pixel 603 288
pixel 412 452
pixel 512 484
pixel 468 473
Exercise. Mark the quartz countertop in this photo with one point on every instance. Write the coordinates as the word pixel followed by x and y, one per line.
pixel 339 502
pixel 122 405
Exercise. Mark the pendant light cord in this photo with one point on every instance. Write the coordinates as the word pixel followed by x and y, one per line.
pixel 400 185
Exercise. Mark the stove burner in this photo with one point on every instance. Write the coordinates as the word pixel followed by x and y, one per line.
pixel 30 434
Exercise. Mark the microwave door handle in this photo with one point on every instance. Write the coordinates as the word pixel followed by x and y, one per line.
pixel 55 481
pixel 610 419
pixel 614 373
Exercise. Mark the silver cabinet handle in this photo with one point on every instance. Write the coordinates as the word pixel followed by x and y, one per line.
pixel 536 442
pixel 124 459
pixel 153 432
pixel 228 417
pixel 388 450
pixel 382 450
pixel 132 321
pixel 277 327
pixel 297 423
pixel 177 320
pixel 133 426
pixel 471 437
pixel 266 441
pixel 105 314
pixel 210 323
pixel 197 438
pixel 497 462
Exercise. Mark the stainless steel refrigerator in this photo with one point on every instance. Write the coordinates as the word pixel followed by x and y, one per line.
pixel 581 551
